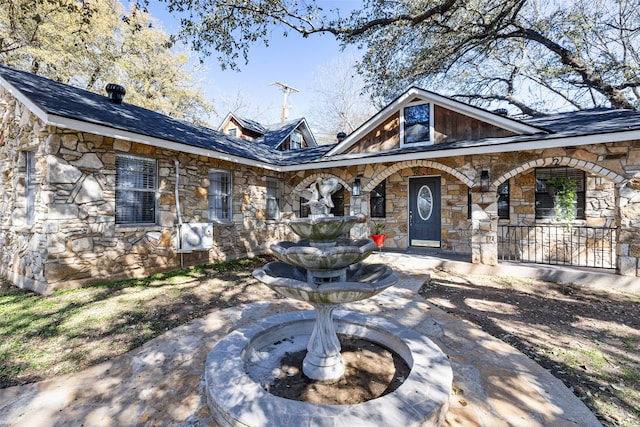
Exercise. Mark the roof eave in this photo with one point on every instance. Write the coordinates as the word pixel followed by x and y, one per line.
pixel 528 145
pixel 82 126
pixel 395 105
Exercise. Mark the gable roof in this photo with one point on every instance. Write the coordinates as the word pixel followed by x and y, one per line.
pixel 64 106
pixel 248 124
pixel 273 135
pixel 412 93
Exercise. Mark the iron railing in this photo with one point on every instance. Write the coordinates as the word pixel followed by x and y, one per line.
pixel 558 245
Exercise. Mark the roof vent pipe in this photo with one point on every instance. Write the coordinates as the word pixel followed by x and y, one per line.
pixel 341 136
pixel 116 92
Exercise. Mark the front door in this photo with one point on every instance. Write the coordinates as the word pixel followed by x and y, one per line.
pixel 424 212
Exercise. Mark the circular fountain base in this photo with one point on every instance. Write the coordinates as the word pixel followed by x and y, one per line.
pixel 236 398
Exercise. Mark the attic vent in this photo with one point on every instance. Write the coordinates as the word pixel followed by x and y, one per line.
pixel 116 92
pixel 340 136
pixel 501 111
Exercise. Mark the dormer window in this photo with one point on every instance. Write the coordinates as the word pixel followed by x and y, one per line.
pixel 232 132
pixel 417 124
pixel 296 141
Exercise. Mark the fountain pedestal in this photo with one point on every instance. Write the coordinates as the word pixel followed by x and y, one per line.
pixel 323 361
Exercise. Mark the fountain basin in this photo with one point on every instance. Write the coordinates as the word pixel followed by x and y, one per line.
pixel 302 254
pixel 238 399
pixel 323 230
pixel 362 281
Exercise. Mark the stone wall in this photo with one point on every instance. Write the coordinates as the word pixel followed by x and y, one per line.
pixel 75 240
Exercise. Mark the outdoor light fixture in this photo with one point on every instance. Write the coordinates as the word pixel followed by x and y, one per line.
pixel 356 190
pixel 484 181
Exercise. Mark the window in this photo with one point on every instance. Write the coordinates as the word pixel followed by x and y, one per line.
pixel 30 183
pixel 136 186
pixel 378 202
pixel 417 124
pixel 219 195
pixel 274 196
pixel 503 200
pixel 338 202
pixel 232 131
pixel 296 141
pixel 544 193
pixel 305 211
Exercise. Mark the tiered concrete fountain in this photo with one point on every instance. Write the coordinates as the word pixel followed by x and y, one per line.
pixel 324 270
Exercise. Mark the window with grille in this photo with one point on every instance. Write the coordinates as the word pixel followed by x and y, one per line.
pixel 545 194
pixel 30 183
pixel 305 211
pixel 273 198
pixel 377 201
pixel 338 202
pixel 503 200
pixel 296 140
pixel 219 195
pixel 136 187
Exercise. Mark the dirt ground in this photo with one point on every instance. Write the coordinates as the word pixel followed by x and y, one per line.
pixel 371 371
pixel 590 339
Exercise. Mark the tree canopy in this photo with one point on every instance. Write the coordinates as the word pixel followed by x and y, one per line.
pixel 533 55
pixel 90 43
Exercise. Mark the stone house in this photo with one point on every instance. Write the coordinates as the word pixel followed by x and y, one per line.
pixel 96 189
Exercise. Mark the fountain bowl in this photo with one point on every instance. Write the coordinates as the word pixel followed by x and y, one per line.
pixel 302 254
pixel 323 229
pixel 237 398
pixel 363 281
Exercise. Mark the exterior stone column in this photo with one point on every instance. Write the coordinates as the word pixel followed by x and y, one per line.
pixel 360 205
pixel 484 227
pixel 628 245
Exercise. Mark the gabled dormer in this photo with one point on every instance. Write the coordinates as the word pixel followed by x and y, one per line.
pixel 423 118
pixel 290 135
pixel 241 127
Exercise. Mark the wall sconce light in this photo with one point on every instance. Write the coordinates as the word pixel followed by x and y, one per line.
pixel 356 190
pixel 484 181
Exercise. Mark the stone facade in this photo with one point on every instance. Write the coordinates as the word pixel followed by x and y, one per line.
pixel 74 239
pixel 612 196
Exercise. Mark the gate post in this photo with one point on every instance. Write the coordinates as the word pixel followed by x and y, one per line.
pixel 628 245
pixel 484 227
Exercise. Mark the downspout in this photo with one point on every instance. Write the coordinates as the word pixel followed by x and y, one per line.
pixel 179 231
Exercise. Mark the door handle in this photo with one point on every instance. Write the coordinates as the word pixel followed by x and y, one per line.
pixel 410 217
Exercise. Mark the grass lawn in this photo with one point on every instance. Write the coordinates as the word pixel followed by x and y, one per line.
pixel 589 339
pixel 72 330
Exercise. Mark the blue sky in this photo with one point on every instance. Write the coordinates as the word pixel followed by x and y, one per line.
pixel 291 60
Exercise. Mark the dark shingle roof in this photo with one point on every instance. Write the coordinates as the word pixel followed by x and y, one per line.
pixel 65 101
pixel 587 122
pixel 57 99
pixel 251 125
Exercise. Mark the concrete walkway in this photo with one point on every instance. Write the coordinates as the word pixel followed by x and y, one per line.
pixel 161 383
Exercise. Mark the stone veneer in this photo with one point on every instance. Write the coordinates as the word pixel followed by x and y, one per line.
pixel 74 239
pixel 612 173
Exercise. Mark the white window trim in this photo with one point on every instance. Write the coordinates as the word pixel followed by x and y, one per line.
pixel 155 193
pixel 229 194
pixel 402 122
pixel 279 203
pixel 29 185
pixel 298 143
